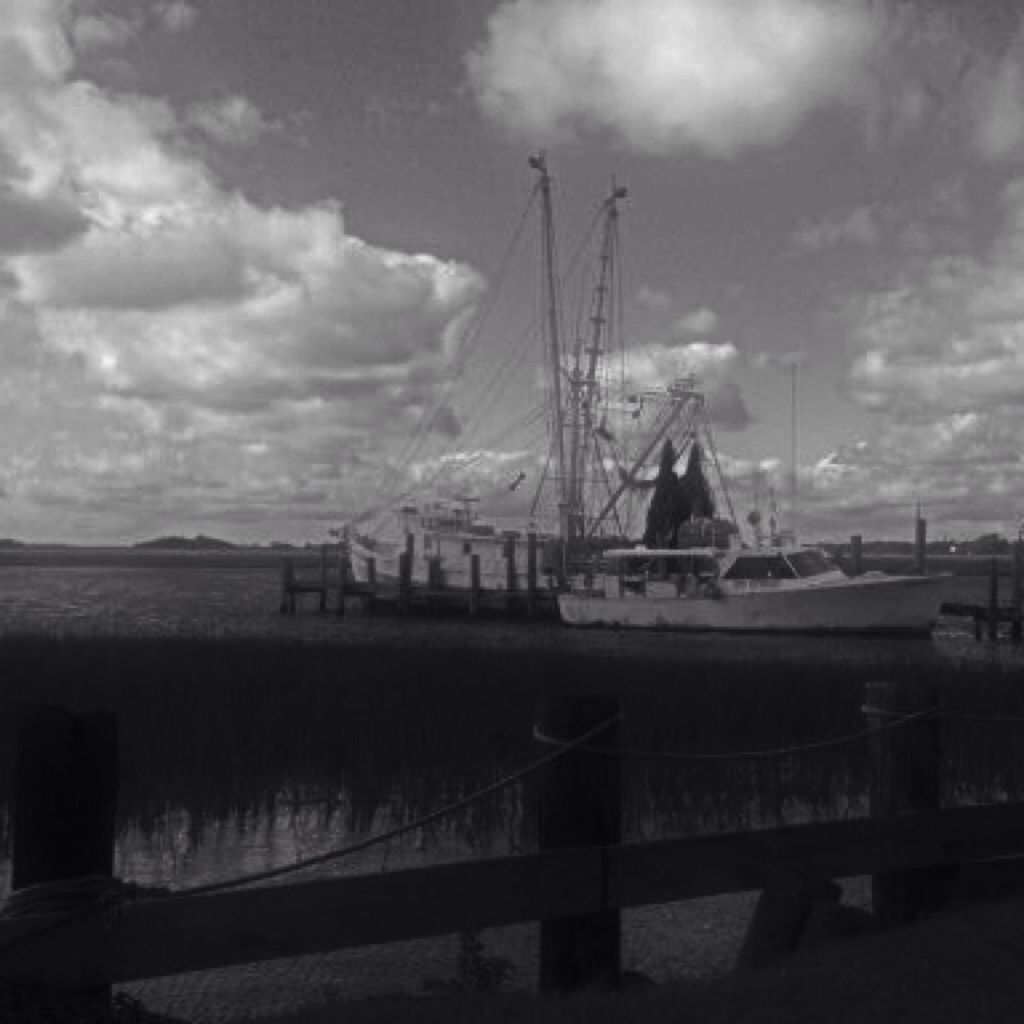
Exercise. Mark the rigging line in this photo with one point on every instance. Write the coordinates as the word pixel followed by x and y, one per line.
pixel 468 341
pixel 427 819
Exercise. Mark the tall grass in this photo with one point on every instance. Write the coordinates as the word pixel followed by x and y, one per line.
pixel 231 728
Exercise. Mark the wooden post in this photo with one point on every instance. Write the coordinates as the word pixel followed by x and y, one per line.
pixel 993 600
pixel 580 805
pixel 65 802
pixel 404 582
pixel 921 546
pixel 342 575
pixel 474 584
pixel 856 555
pixel 904 764
pixel 287 587
pixel 510 564
pixel 434 572
pixel 371 585
pixel 531 574
pixel 323 578
pixel 1018 591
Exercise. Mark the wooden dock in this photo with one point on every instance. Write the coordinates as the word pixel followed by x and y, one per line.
pixel 337 590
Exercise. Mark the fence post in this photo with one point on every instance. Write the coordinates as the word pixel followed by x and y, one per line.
pixel 474 584
pixel 993 600
pixel 580 805
pixel 65 802
pixel 904 763
pixel 856 554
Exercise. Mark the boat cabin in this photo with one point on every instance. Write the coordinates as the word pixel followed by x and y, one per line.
pixel 798 563
pixel 660 572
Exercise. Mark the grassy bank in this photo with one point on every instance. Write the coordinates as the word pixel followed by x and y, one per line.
pixel 224 728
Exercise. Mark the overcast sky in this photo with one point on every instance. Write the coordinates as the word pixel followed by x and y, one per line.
pixel 243 244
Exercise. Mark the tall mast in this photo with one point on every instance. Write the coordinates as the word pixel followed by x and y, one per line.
pixel 585 387
pixel 550 301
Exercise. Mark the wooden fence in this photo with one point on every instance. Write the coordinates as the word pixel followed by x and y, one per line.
pixel 919 854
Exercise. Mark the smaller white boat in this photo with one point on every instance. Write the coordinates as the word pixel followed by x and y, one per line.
pixel 794 590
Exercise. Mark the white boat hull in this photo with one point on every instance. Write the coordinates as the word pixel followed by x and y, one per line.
pixel 869 604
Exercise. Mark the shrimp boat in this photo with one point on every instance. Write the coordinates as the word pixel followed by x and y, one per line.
pixel 787 590
pixel 588 463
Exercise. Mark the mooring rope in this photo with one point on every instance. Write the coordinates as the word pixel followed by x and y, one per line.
pixel 740 755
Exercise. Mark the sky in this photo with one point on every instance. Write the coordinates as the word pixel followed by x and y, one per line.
pixel 259 261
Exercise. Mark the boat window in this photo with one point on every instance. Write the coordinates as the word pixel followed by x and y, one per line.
pixel 760 567
pixel 809 562
pixel 467 547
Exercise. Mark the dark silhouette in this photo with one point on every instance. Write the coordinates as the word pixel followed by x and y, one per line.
pixel 677 500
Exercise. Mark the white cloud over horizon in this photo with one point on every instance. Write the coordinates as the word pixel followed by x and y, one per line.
pixel 663 76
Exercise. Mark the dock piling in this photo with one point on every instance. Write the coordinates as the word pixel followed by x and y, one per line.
pixel 531 574
pixel 856 555
pixel 993 600
pixel 474 584
pixel 921 546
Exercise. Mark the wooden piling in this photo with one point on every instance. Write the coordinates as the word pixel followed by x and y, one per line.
pixel 404 582
pixel 856 554
pixel 287 587
pixel 371 585
pixel 323 578
pixel 531 574
pixel 510 564
pixel 65 803
pixel 474 584
pixel 993 600
pixel 904 763
pixel 921 546
pixel 580 805
pixel 434 573
pixel 342 579
pixel 1018 591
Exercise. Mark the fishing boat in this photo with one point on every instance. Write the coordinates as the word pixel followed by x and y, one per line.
pixel 590 472
pixel 790 590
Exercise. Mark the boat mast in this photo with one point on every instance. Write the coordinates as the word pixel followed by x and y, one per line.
pixel 550 301
pixel 584 389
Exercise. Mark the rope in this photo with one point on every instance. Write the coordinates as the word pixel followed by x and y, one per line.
pixel 741 755
pixel 384 837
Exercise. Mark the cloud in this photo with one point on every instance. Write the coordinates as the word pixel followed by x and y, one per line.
pixel 664 76
pixel 176 16
pixel 101 31
pixel 653 298
pixel 169 344
pixel 701 321
pixel 231 120
pixel 654 366
pixel 859 227
pixel 998 106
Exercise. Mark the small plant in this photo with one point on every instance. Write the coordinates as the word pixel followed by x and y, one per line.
pixel 477 972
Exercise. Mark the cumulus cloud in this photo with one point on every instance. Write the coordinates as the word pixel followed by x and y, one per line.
pixel 859 227
pixel 653 366
pixel 176 16
pixel 230 120
pixel 663 76
pixel 170 344
pixel 701 321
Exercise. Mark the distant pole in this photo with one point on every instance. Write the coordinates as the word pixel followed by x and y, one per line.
pixel 856 554
pixel 580 805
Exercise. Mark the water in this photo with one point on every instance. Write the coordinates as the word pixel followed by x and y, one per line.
pixel 117 594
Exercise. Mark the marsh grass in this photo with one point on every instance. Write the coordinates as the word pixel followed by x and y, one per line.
pixel 236 728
